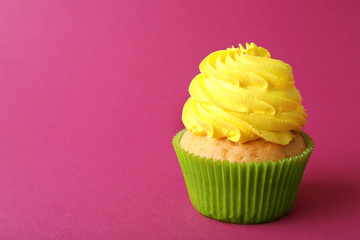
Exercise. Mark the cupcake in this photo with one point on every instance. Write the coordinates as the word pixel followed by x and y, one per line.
pixel 243 152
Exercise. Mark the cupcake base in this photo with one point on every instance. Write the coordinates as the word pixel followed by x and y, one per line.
pixel 242 193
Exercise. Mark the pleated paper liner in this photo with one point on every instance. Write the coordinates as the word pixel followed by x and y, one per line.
pixel 242 193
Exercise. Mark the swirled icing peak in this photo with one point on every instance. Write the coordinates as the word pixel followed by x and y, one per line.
pixel 244 94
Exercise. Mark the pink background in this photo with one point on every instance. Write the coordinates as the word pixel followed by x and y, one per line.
pixel 91 94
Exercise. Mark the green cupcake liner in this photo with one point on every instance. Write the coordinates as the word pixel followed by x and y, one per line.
pixel 242 193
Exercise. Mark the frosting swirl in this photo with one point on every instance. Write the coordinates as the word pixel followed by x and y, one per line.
pixel 243 94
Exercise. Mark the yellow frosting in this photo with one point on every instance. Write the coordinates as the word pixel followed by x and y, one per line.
pixel 243 94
